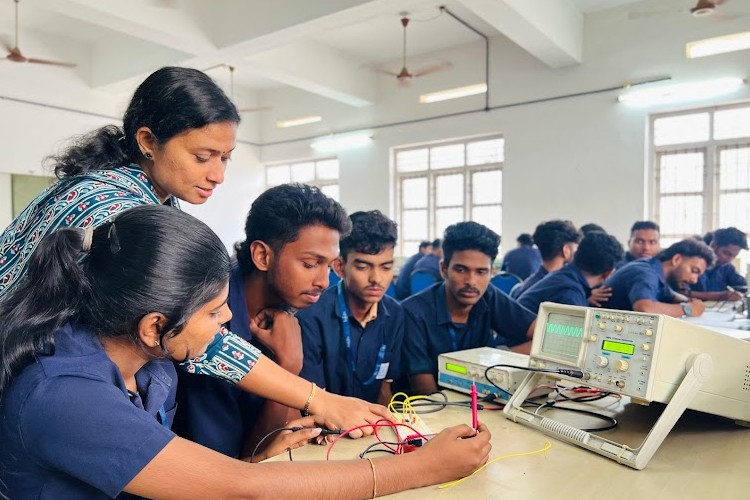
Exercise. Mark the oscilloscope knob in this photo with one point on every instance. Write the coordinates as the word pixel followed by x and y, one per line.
pixel 622 365
pixel 618 328
pixel 646 347
pixel 601 361
pixel 602 326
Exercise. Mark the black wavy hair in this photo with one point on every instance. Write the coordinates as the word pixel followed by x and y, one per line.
pixel 729 236
pixel 689 247
pixel 470 236
pixel 525 239
pixel 277 216
pixel 170 101
pixel 644 224
pixel 150 258
pixel 598 253
pixel 372 232
pixel 591 227
pixel 551 236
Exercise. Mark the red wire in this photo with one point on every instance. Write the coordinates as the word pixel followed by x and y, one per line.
pixel 374 426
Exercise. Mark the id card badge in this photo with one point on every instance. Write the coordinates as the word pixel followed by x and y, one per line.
pixel 382 372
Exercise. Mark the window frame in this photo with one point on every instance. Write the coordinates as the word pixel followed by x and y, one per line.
pixel 317 182
pixel 432 174
pixel 711 150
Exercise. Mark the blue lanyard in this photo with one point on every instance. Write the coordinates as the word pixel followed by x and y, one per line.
pixel 163 417
pixel 346 328
pixel 454 342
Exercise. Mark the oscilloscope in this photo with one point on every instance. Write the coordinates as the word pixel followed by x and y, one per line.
pixel 648 357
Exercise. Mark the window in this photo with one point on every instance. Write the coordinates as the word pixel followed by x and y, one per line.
pixel 439 185
pixel 321 173
pixel 701 171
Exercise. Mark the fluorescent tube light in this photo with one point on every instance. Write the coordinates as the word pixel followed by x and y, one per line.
pixel 293 122
pixel 455 93
pixel 341 142
pixel 718 45
pixel 681 92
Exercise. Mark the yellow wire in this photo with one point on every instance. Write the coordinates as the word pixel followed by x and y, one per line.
pixel 546 447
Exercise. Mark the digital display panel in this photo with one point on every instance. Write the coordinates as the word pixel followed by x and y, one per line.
pixel 621 347
pixel 563 336
pixel 456 368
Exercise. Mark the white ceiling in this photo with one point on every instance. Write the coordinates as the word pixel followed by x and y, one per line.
pixel 331 49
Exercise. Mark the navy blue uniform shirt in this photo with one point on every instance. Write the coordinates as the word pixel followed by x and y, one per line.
pixel 638 280
pixel 718 278
pixel 522 261
pixel 564 286
pixel 428 326
pixel 534 278
pixel 326 358
pixel 430 263
pixel 213 412
pixel 403 283
pixel 69 428
pixel 629 257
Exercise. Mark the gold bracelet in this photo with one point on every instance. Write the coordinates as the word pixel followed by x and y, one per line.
pixel 306 409
pixel 374 478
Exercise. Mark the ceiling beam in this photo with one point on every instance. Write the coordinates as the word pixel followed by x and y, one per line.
pixel 550 30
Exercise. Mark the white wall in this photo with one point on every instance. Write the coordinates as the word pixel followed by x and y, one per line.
pixel 580 158
pixel 226 210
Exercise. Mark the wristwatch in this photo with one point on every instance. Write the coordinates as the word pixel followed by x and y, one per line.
pixel 687 309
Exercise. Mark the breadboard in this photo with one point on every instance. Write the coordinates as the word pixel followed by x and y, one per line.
pixel 413 420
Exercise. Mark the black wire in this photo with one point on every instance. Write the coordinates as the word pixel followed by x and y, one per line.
pixel 442 404
pixel 269 435
pixel 612 420
pixel 370 449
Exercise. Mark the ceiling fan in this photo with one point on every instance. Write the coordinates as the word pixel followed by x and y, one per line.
pixel 703 8
pixel 404 76
pixel 15 55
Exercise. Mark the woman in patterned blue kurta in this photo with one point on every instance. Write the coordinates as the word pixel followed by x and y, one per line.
pixel 178 133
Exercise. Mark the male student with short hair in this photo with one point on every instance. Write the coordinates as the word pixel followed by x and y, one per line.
pixel 652 285
pixel 462 312
pixel 524 260
pixel 643 242
pixel 722 281
pixel 403 283
pixel 430 263
pixel 594 261
pixel 557 241
pixel 292 234
pixel 352 336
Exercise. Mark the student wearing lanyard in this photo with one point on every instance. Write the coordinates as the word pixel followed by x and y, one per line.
pixel 648 285
pixel 594 261
pixel 720 280
pixel 87 388
pixel 352 336
pixel 464 311
pixel 291 235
